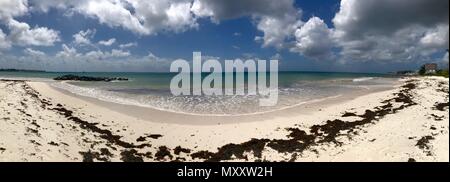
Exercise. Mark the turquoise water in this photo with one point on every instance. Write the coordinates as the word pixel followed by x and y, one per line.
pixel 152 90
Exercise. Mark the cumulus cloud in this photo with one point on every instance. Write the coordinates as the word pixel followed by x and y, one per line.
pixel 4 44
pixel 369 30
pixel 229 9
pixel 100 55
pixel 20 32
pixel 72 53
pixel 314 39
pixel 84 37
pixel 141 17
pixel 34 53
pixel 278 20
pixel 112 13
pixel 436 37
pixel 359 18
pixel 119 53
pixel 52 63
pixel 12 8
pixel 391 30
pixel 107 42
pixel 46 5
pixel 67 52
pixel 69 59
pixel 127 45
pixel 277 30
pixel 169 15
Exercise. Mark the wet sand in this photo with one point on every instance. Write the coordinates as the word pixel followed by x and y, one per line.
pixel 161 116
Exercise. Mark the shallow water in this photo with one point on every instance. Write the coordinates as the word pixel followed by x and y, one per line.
pixel 152 90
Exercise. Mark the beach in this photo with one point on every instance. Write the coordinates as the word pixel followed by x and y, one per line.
pixel 409 122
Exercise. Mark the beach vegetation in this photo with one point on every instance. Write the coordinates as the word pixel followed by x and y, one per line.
pixel 441 72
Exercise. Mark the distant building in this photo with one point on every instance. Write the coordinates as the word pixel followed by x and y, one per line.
pixel 430 68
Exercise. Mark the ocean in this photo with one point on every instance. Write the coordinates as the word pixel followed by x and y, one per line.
pixel 152 90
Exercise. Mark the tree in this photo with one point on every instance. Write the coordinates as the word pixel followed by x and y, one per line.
pixel 422 70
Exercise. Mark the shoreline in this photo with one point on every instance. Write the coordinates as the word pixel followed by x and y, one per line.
pixel 407 123
pixel 164 116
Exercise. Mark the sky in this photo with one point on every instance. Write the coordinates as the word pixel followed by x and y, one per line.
pixel 147 35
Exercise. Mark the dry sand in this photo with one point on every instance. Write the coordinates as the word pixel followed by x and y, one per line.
pixel 408 123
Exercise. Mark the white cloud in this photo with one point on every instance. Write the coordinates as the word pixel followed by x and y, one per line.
pixel 34 53
pixel 276 19
pixel 46 5
pixel 119 53
pixel 12 8
pixel 127 45
pixel 68 59
pixel 164 15
pixel 180 17
pixel 112 13
pixel 359 18
pixel 406 30
pixel 100 55
pixel 437 37
pixel 201 9
pixel 70 53
pixel 85 62
pixel 4 44
pixel 314 39
pixel 277 30
pixel 226 9
pixel 20 32
pixel 84 37
pixel 141 17
pixel 107 42
pixel 67 52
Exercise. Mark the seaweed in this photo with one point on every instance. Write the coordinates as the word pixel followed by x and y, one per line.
pixel 105 134
pixel 180 149
pixel 298 140
pixel 154 136
pixel 441 106
pixel 89 156
pixel 162 153
pixel 131 156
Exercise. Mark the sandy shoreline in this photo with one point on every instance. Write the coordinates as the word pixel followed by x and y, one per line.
pixel 408 123
pixel 161 116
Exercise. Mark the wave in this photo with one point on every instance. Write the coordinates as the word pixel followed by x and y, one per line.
pixel 190 105
pixel 361 79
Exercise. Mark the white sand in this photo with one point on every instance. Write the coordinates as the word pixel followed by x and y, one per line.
pixel 30 132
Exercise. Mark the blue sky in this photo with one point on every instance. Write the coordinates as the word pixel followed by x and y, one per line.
pixel 303 35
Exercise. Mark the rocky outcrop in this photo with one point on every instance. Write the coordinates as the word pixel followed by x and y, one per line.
pixel 88 78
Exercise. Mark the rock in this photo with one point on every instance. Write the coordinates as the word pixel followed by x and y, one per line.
pixel 88 78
